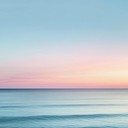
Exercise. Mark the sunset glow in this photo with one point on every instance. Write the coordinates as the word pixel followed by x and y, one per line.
pixel 68 44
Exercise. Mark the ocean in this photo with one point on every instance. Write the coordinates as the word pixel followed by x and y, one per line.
pixel 63 108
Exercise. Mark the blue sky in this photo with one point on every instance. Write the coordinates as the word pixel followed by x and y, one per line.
pixel 31 30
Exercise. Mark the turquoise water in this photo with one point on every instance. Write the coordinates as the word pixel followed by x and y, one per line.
pixel 57 108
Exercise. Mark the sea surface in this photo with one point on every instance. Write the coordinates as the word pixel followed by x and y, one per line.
pixel 63 108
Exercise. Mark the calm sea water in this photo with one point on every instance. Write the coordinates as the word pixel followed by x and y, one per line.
pixel 64 108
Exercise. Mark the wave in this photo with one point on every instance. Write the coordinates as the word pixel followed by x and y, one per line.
pixel 84 105
pixel 59 117
pixel 63 105
pixel 12 106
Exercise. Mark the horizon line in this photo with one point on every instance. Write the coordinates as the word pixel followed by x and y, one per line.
pixel 61 88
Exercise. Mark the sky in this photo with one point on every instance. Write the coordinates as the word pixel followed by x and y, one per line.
pixel 63 44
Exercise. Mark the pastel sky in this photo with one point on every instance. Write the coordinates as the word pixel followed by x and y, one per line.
pixel 63 43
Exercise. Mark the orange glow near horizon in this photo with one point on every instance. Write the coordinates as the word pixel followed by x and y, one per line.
pixel 75 76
